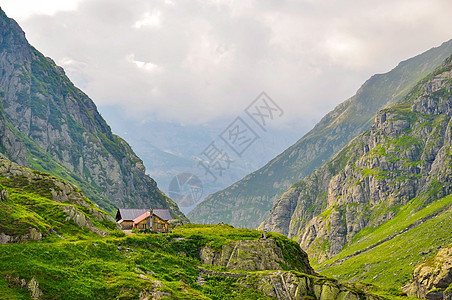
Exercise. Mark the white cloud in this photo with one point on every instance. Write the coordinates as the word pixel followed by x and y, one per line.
pixel 170 2
pixel 23 9
pixel 146 66
pixel 150 19
pixel 210 58
pixel 236 8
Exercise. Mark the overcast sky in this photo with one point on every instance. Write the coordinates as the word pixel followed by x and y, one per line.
pixel 195 61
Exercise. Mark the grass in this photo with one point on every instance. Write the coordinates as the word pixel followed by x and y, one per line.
pixel 391 264
pixel 124 267
pixel 29 205
pixel 83 265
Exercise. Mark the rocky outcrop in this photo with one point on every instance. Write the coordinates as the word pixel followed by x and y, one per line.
pixel 253 255
pixel 267 266
pixel 404 156
pixel 248 201
pixel 47 124
pixel 291 285
pixel 32 235
pixel 81 219
pixel 433 278
pixel 288 285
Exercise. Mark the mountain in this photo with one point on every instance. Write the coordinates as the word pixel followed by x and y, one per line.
pixel 248 201
pixel 48 124
pixel 383 204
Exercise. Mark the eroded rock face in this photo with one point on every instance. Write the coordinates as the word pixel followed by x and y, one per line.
pixel 404 155
pixel 253 255
pixel 431 279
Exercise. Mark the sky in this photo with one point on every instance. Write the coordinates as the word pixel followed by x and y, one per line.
pixel 196 61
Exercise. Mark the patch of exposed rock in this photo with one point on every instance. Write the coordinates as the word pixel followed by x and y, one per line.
pixel 33 234
pixel 287 285
pixel 32 285
pixel 253 255
pixel 294 286
pixel 81 219
pixel 433 278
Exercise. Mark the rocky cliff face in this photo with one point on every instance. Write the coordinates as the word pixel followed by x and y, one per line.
pixel 50 125
pixel 289 285
pixel 404 157
pixel 247 202
pixel 433 278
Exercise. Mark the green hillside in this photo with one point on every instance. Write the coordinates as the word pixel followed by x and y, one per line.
pixel 55 244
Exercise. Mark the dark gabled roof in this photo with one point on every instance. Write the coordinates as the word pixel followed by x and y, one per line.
pixel 163 214
pixel 130 214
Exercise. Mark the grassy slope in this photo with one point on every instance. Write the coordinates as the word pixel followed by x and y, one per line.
pixel 110 267
pixel 29 205
pixel 122 267
pixel 392 263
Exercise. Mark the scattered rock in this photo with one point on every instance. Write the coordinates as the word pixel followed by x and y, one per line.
pixel 4 195
pixel 81 219
pixel 33 286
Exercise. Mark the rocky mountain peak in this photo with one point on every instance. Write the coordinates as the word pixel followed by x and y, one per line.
pixel 12 38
